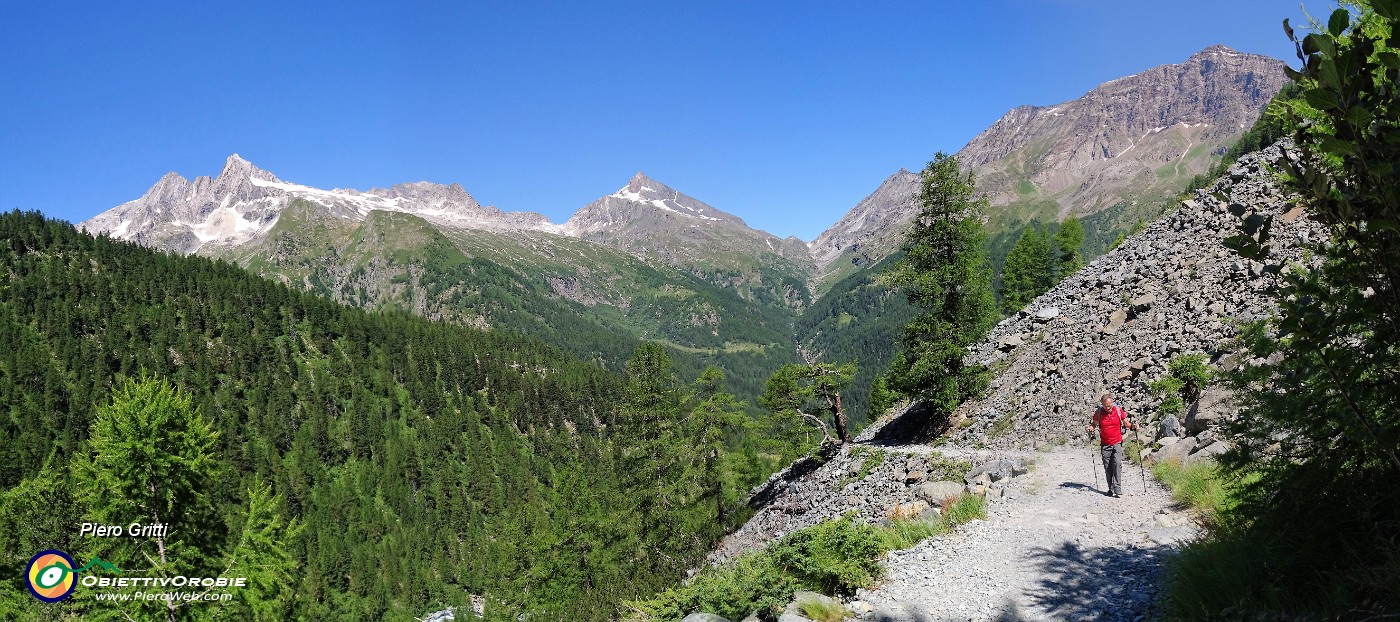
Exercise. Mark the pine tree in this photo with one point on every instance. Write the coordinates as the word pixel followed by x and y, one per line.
pixel 715 416
pixel 944 273
pixel 1069 246
pixel 1029 271
pixel 801 396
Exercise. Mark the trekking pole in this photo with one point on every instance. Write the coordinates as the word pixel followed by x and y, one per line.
pixel 1093 461
pixel 1141 459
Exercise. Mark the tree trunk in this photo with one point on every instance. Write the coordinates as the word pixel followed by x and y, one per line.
pixel 841 431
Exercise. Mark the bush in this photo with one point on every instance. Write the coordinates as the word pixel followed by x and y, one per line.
pixel 833 557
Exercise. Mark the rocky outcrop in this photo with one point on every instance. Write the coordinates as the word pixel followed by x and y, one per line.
pixel 1086 151
pixel 875 483
pixel 1113 326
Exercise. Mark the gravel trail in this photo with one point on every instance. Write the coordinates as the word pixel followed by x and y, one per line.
pixel 1054 548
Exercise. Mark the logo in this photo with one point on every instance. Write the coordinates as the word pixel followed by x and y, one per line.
pixel 51 577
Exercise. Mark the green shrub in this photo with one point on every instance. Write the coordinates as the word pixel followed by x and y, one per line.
pixel 833 557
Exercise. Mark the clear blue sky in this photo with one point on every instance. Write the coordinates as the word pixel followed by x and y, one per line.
pixel 784 113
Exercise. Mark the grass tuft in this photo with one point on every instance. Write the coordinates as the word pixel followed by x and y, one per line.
pixel 823 611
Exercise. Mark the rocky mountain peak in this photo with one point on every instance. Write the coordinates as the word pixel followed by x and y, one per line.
pixel 243 202
pixel 235 168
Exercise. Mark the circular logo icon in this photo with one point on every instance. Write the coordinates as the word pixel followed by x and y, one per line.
pixel 50 576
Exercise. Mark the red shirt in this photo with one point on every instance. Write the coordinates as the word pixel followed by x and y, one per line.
pixel 1111 423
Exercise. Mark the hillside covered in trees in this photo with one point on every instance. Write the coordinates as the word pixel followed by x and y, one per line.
pixel 393 466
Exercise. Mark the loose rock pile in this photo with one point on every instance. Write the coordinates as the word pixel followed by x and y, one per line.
pixel 1112 327
pixel 877 484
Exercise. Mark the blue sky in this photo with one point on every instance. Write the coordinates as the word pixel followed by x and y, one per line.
pixel 784 113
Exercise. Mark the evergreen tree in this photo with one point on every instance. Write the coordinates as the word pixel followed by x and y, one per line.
pixel 651 452
pixel 1069 245
pixel 797 393
pixel 260 555
pixel 944 273
pixel 1029 272
pixel 715 417
pixel 150 460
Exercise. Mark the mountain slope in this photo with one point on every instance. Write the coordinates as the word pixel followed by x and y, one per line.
pixel 432 250
pixel 427 462
pixel 649 219
pixel 1132 143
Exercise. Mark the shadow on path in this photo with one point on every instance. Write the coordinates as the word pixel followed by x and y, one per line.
pixel 1009 613
pixel 1097 583
pixel 1079 486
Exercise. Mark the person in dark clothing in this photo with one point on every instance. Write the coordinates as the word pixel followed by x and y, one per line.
pixel 1111 420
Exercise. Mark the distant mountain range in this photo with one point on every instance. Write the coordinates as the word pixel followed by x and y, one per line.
pixel 648 262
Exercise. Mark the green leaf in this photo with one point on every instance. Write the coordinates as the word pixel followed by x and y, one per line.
pixel 1337 24
pixel 1327 74
pixel 1310 44
pixel 1359 117
pixel 1236 209
pixel 1389 9
pixel 1320 99
pixel 1389 59
pixel 1336 146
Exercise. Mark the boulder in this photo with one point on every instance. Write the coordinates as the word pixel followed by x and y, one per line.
pixel 936 492
pixel 1115 322
pixel 1144 302
pixel 1215 404
pixel 1170 427
pixel 1047 313
pixel 1208 452
pixel 907 511
pixel 914 477
pixel 1011 342
pixel 1177 450
pixel 704 617
pixel 996 470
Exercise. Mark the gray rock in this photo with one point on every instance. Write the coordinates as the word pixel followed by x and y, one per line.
pixel 704 617
pixel 1214 405
pixel 936 492
pixel 1115 322
pixel 1170 427
pixel 1011 343
pixel 996 470
pixel 1175 451
pixel 1209 452
pixel 1143 303
pixel 1047 313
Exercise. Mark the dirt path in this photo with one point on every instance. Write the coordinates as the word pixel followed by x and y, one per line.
pixel 1055 548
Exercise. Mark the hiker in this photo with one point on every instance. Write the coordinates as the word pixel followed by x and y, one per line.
pixel 1111 420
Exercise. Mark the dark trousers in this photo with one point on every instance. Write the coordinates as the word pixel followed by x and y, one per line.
pixel 1113 466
